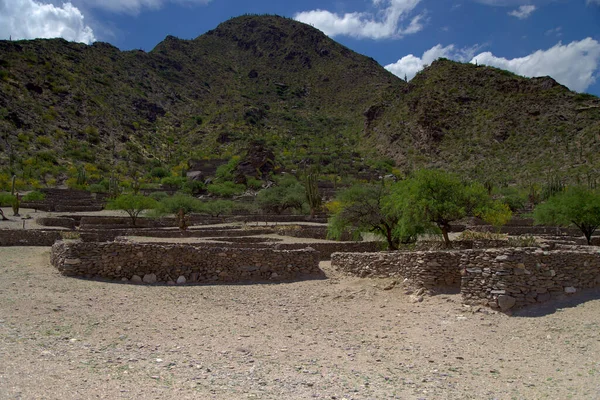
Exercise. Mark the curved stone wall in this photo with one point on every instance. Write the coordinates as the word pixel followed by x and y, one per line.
pixel 181 263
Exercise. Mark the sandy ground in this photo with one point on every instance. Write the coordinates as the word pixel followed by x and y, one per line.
pixel 335 338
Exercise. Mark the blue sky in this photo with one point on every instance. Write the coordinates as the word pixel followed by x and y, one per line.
pixel 560 38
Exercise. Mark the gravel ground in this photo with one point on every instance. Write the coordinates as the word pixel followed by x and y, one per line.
pixel 336 338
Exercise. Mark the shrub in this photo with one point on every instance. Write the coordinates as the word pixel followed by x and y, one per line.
pixel 225 189
pixel 158 196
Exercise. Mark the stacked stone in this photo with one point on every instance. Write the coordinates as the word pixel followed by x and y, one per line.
pixel 169 263
pixel 28 237
pixel 422 268
pixel 518 277
pixel 498 278
pixel 63 222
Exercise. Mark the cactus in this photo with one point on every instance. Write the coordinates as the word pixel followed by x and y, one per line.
pixel 81 176
pixel 313 197
pixel 16 203
pixel 113 187
pixel 12 191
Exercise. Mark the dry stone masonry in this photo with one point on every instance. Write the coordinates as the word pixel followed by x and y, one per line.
pixel 498 278
pixel 152 263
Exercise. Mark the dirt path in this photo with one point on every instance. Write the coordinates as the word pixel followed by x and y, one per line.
pixel 66 338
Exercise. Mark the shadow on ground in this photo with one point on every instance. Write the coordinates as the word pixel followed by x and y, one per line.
pixel 559 303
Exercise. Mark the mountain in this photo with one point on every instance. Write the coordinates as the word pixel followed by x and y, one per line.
pixel 491 125
pixel 271 82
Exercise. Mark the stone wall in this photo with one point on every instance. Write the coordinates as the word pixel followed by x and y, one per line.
pixel 499 278
pixel 63 222
pixel 325 249
pixel 28 237
pixel 106 235
pixel 422 268
pixel 516 277
pixel 181 263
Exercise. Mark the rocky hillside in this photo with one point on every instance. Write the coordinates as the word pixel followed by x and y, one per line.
pixel 491 125
pixel 288 87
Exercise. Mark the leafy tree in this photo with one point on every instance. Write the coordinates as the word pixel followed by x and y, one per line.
pixel 6 200
pixel 215 208
pixel 132 204
pixel 576 205
pixel 437 198
pixel 287 194
pixel 373 208
pixel 181 205
pixel 515 198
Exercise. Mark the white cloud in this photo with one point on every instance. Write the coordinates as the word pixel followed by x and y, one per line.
pixel 588 2
pixel 574 65
pixel 409 65
pixel 28 19
pixel 523 12
pixel 386 24
pixel 135 6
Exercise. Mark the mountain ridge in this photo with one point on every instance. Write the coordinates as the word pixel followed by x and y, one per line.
pixel 285 84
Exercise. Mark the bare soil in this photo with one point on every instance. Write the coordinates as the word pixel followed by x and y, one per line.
pixel 335 338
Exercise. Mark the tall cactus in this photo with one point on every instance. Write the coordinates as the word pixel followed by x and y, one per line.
pixel 113 187
pixel 313 197
pixel 12 191
pixel 81 176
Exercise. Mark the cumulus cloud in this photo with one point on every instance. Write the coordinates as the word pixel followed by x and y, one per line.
pixel 387 22
pixel 28 19
pixel 523 12
pixel 409 65
pixel 574 64
pixel 135 6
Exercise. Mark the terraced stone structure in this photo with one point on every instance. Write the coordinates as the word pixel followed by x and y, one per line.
pixel 502 278
pixel 181 263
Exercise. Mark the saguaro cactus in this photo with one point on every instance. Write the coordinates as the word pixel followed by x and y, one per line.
pixel 313 197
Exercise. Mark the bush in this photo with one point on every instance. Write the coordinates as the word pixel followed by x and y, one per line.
pixel 476 235
pixel 34 196
pixel 523 241
pixel 97 188
pixel 225 189
pixel 173 182
pixel 159 172
pixel 158 196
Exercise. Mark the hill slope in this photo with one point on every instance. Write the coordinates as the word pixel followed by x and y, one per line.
pixel 492 125
pixel 266 78
pixel 285 85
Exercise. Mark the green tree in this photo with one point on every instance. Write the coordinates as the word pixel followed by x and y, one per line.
pixel 132 204
pixel 6 200
pixel 373 208
pixel 437 198
pixel 578 206
pixel 287 194
pixel 215 208
pixel 181 205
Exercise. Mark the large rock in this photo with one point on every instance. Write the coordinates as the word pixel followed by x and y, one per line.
pixel 506 302
pixel 149 278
